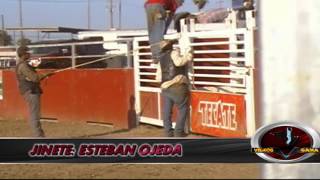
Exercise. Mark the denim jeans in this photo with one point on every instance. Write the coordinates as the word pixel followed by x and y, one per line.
pixel 158 23
pixel 33 101
pixel 175 95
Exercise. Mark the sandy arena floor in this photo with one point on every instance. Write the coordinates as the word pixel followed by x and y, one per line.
pixel 112 171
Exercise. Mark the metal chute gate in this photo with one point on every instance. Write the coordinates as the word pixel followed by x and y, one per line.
pixel 221 77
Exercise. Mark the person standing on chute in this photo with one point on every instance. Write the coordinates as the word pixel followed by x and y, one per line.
pixel 159 16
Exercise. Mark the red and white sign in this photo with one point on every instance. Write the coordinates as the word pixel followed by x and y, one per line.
pixel 220 115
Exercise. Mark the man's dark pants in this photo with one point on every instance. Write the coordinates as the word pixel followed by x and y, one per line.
pixel 175 95
pixel 158 24
pixel 33 101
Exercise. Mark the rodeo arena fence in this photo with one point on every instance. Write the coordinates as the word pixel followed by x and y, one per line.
pixel 116 84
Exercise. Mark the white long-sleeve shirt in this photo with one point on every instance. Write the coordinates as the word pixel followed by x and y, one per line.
pixel 180 60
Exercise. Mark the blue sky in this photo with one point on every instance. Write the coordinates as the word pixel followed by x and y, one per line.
pixel 73 13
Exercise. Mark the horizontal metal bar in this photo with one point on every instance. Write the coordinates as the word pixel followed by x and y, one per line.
pixel 84 56
pixel 219 59
pixel 229 89
pixel 149 80
pixel 232 88
pixel 210 26
pixel 206 35
pixel 149 89
pixel 217 84
pixel 56 57
pixel 219 33
pixel 67 44
pixel 217 51
pixel 145 60
pixel 143 47
pixel 79 43
pixel 218 76
pixel 69 57
pixel 143 54
pixel 91 56
pixel 141 39
pixel 219 68
pixel 146 67
pixel 147 74
pixel 216 43
pixel 9 47
pixel 70 44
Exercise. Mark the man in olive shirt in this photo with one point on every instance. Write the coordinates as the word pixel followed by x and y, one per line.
pixel 29 86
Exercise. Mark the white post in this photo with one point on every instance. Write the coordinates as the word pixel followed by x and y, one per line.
pixel 290 72
pixel 250 19
pixel 192 25
pixel 159 107
pixel 136 79
pixel 233 20
pixel 250 80
pixel 184 40
pixel 129 55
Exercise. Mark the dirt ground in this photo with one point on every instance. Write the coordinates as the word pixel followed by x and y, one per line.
pixel 112 171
